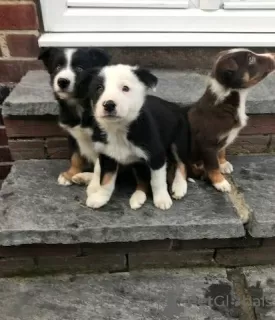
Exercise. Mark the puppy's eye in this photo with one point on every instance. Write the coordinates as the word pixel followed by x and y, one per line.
pixel 125 89
pixel 251 60
pixel 79 69
pixel 99 88
pixel 58 67
pixel 229 73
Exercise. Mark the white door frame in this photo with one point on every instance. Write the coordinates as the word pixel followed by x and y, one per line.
pixel 138 26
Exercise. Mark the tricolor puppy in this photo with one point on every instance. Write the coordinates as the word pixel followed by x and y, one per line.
pixel 133 127
pixel 65 67
pixel 217 118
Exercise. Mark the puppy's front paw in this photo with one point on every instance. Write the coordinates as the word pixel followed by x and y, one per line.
pixel 93 187
pixel 162 200
pixel 82 178
pixel 63 181
pixel 137 199
pixel 223 186
pixel 179 188
pixel 97 200
pixel 226 167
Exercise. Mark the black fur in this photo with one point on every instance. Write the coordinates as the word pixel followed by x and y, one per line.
pixel 160 123
pixel 70 114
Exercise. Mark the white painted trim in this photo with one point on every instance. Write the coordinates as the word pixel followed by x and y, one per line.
pixel 157 39
pixel 154 20
pixel 210 4
pixel 129 3
pixel 249 5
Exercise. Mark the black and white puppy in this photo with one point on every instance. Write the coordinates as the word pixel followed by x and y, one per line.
pixel 132 127
pixel 65 66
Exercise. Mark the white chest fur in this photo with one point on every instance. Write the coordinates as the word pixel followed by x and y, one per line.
pixel 120 148
pixel 83 136
pixel 242 118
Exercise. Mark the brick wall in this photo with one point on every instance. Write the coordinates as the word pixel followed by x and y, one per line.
pixel 19 29
pixel 42 138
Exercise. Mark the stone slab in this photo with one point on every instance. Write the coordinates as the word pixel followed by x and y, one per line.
pixel 261 287
pixel 34 209
pixel 33 95
pixel 255 178
pixel 152 295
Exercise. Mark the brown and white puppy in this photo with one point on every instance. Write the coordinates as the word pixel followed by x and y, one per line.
pixel 219 115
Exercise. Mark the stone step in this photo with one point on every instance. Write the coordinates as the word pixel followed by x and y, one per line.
pixel 189 294
pixel 35 209
pixel 33 95
pixel 254 176
pixel 153 295
pixel 45 227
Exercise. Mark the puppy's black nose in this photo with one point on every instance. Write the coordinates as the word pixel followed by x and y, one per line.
pixel 63 83
pixel 109 106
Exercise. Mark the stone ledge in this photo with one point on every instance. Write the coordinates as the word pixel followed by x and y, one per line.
pixel 154 295
pixel 255 178
pixel 33 95
pixel 34 209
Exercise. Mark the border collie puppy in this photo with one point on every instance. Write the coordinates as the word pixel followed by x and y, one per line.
pixel 64 67
pixel 132 127
pixel 217 118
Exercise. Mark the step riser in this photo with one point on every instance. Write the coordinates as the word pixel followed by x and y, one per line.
pixel 50 142
pixel 196 59
pixel 127 257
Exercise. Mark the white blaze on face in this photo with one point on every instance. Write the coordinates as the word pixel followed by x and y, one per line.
pixel 128 102
pixel 66 72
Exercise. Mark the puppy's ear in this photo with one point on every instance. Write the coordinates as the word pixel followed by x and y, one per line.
pixel 146 77
pixel 46 55
pixel 82 85
pixel 99 57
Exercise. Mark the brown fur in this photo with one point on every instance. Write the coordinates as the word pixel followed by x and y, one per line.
pixel 77 164
pixel 212 117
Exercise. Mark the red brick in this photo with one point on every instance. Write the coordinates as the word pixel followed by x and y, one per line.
pixel 95 263
pixel 270 242
pixel 250 144
pixel 27 149
pixel 5 168
pixel 260 124
pixel 127 247
pixel 5 154
pixel 13 70
pixel 57 148
pixel 3 136
pixel 245 257
pixel 39 250
pixel 22 45
pixel 214 244
pixel 12 267
pixel 19 16
pixel 16 128
pixel 171 259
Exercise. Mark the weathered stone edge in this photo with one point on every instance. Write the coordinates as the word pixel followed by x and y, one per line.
pixel 262 106
pixel 14 237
